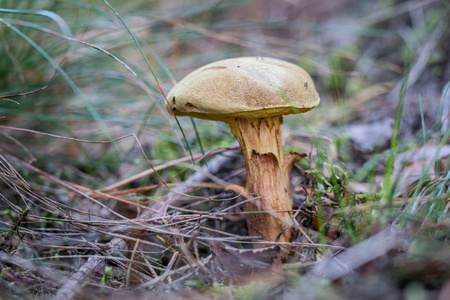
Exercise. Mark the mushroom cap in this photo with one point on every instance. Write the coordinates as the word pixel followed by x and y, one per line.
pixel 248 87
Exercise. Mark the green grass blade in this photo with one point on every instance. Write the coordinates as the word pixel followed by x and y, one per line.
pixel 65 29
pixel 151 69
pixel 388 186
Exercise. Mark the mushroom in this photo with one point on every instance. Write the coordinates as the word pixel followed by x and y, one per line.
pixel 251 95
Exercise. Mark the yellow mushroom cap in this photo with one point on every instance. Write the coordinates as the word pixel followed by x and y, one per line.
pixel 251 87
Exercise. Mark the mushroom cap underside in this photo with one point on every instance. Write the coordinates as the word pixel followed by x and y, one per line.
pixel 251 87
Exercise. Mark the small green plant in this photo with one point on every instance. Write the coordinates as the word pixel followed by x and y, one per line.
pixel 106 275
pixel 347 212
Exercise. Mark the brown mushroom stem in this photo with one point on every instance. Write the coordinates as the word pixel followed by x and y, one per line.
pixel 267 176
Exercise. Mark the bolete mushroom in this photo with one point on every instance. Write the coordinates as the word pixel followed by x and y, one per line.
pixel 251 94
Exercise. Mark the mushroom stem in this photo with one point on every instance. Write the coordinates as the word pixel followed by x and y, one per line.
pixel 267 176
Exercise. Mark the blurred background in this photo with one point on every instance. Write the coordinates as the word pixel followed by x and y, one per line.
pixel 358 53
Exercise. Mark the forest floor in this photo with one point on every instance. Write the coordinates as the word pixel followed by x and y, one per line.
pixel 103 194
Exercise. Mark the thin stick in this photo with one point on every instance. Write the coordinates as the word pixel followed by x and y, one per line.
pixel 93 265
pixel 159 168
